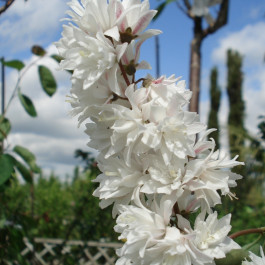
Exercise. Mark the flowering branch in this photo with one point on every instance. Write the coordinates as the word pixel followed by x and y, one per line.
pixel 154 170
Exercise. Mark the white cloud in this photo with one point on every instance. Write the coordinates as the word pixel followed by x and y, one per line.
pixel 249 41
pixel 27 23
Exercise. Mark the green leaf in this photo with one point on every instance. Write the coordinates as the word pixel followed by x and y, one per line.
pixel 38 50
pixel 161 7
pixel 5 128
pixel 6 167
pixel 15 64
pixel 57 58
pixel 25 172
pixel 234 257
pixel 47 80
pixel 28 157
pixel 27 104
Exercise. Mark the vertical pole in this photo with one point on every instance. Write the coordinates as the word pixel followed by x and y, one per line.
pixel 3 86
pixel 3 97
pixel 157 49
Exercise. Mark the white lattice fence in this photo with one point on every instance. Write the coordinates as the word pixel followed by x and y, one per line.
pixel 56 251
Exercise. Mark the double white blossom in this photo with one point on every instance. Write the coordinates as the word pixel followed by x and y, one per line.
pixel 151 240
pixel 154 171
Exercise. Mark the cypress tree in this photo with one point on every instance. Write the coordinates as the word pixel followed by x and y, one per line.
pixel 215 95
pixel 236 129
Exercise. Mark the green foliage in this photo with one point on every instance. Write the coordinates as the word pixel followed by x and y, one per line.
pixel 47 80
pixel 215 94
pixel 5 127
pixel 28 157
pixel 57 58
pixel 161 8
pixel 27 104
pixel 24 171
pixel 15 64
pixel 236 103
pixel 21 214
pixel 55 209
pixel 235 257
pixel 6 167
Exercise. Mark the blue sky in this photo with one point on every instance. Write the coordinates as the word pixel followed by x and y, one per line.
pixel 54 136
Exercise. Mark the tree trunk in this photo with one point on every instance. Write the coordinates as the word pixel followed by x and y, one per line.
pixel 195 64
pixel 195 73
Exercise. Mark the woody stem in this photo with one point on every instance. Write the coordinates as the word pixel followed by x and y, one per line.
pixel 248 231
pixel 124 74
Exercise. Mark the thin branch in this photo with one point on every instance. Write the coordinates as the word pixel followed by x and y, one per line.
pixel 187 4
pixel 139 80
pixel 220 21
pixel 17 87
pixel 248 231
pixel 6 6
pixel 187 10
pixel 124 74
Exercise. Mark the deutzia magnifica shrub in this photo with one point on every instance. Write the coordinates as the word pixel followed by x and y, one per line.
pixel 154 170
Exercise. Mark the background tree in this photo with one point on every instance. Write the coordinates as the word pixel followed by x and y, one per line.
pixel 215 96
pixel 199 11
pixel 236 129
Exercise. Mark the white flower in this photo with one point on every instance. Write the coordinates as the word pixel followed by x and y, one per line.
pixel 204 177
pixel 87 56
pixel 81 99
pixel 141 228
pixel 164 89
pixel 176 248
pixel 150 125
pixel 201 245
pixel 162 178
pixel 124 261
pixel 211 235
pixel 118 182
pixel 151 240
pixel 128 18
pixel 255 260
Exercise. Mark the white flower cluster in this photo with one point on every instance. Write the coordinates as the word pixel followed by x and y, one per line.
pixel 154 171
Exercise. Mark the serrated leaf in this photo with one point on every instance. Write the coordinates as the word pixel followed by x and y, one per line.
pixel 6 167
pixel 47 80
pixel 28 157
pixel 5 128
pixel 15 64
pixel 27 105
pixel 38 50
pixel 25 172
